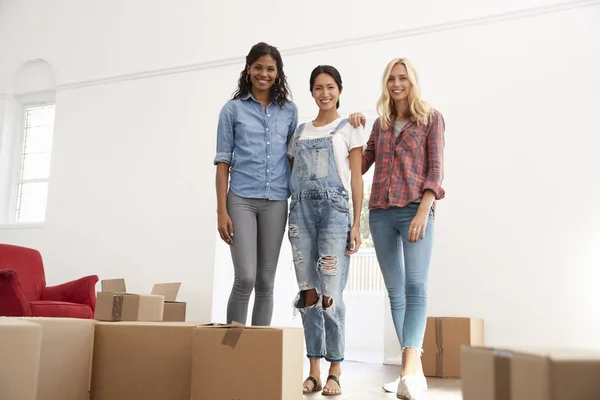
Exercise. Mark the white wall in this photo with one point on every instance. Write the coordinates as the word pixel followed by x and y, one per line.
pixel 131 190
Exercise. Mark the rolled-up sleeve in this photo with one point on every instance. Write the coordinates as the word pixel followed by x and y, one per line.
pixel 225 136
pixel 435 156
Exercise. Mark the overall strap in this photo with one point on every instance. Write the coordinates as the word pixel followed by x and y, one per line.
pixel 339 126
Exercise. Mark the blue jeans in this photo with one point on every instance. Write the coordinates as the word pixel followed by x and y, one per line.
pixel 319 225
pixel 405 269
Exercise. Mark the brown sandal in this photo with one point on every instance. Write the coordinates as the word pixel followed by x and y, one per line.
pixel 316 386
pixel 336 380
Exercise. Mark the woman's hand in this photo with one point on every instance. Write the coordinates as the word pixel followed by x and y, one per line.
pixel 418 226
pixel 225 227
pixel 355 241
pixel 357 119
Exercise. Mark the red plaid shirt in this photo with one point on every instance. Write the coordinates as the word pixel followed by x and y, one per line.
pixel 405 166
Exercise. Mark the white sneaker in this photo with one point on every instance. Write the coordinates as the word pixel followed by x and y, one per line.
pixel 412 387
pixel 391 387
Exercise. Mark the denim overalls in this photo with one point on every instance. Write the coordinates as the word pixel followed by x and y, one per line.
pixel 319 225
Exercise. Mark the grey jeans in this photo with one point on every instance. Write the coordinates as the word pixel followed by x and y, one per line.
pixel 258 228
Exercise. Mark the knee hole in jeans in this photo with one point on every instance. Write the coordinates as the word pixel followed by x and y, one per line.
pixel 327 302
pixel 307 298
pixel 328 265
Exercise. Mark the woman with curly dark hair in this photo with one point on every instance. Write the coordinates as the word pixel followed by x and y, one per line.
pixel 252 179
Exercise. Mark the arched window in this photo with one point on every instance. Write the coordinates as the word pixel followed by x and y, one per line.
pixel 26 148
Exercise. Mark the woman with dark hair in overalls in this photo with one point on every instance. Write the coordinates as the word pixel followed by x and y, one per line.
pixel 326 159
pixel 252 138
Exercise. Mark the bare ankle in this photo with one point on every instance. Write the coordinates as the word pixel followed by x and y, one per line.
pixel 411 362
pixel 335 369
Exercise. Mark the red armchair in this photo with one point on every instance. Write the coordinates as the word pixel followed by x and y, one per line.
pixel 23 290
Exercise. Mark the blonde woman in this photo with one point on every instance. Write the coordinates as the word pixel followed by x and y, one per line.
pixel 406 145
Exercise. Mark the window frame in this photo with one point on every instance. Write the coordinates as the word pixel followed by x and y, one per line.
pixel 15 139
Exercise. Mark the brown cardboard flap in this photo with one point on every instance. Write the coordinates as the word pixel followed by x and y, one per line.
pixel 232 336
pixel 169 290
pixel 113 285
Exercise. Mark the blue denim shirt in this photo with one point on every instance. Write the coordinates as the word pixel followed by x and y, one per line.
pixel 254 144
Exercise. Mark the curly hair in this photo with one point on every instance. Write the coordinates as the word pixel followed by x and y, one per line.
pixel 280 92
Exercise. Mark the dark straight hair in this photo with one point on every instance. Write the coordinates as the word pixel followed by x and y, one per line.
pixel 280 91
pixel 329 70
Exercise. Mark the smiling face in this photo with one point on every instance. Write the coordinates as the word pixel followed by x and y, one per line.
pixel 398 84
pixel 326 92
pixel 263 73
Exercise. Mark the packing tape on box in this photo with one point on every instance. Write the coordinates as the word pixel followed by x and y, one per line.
pixel 232 334
pixel 439 362
pixel 117 306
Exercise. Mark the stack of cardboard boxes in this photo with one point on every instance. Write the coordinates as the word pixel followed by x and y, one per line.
pixel 140 347
pixel 134 350
pixel 114 303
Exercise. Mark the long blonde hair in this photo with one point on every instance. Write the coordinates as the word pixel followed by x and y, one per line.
pixel 418 111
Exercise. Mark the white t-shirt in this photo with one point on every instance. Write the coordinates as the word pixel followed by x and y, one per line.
pixel 344 140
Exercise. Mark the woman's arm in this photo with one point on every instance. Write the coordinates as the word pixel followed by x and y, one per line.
pixel 225 148
pixel 432 189
pixel 356 184
pixel 290 137
pixel 222 184
pixel 368 156
pixel 293 124
pixel 435 157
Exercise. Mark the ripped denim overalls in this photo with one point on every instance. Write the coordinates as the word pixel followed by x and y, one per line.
pixel 319 227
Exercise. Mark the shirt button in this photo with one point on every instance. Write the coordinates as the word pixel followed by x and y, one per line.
pixel 267 183
pixel 267 170
pixel 268 115
pixel 268 156
pixel 268 142
pixel 267 129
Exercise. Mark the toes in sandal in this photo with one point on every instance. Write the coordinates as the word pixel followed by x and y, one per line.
pixel 336 380
pixel 315 388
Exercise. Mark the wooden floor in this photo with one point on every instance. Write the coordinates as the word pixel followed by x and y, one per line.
pixel 362 381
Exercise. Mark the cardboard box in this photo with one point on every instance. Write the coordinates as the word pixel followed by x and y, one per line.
pixel 485 374
pixel 442 344
pixel 65 359
pixel 174 311
pixel 530 374
pixel 113 303
pixel 249 363
pixel 20 347
pixel 142 360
